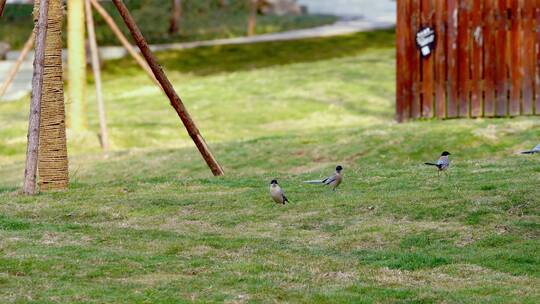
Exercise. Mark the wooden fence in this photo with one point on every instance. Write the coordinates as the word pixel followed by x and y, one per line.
pixel 486 59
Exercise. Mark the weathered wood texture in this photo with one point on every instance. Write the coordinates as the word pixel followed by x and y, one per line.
pixel 175 100
pixel 486 61
pixel 31 166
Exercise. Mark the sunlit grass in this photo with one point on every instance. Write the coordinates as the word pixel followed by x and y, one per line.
pixel 150 223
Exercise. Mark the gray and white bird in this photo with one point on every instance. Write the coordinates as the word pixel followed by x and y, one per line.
pixel 277 193
pixel 333 181
pixel 533 151
pixel 443 163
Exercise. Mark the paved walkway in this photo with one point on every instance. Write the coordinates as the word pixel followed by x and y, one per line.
pixel 356 16
pixel 376 10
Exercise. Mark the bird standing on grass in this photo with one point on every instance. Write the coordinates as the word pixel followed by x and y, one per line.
pixel 277 193
pixel 443 163
pixel 533 151
pixel 333 181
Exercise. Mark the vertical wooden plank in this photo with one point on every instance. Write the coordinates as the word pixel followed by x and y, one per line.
pixel 537 69
pixel 427 16
pixel 400 60
pixel 440 59
pixel 405 52
pixel 477 42
pixel 501 69
pixel 463 57
pixel 528 55
pixel 490 29
pixel 515 65
pixel 416 109
pixel 452 13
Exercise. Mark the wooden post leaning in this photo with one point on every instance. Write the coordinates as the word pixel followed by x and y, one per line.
pixel 123 40
pixel 15 69
pixel 94 54
pixel 29 185
pixel 175 100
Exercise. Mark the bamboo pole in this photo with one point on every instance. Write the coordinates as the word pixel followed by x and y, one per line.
pixel 94 52
pixel 175 100
pixel 76 66
pixel 29 186
pixel 123 40
pixel 16 67
pixel 2 6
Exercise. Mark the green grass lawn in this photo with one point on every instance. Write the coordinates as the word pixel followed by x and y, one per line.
pixel 151 225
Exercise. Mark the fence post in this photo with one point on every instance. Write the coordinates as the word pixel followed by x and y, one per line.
pixel 477 44
pixel 489 57
pixel 404 55
pixel 440 59
pixel 452 13
pixel 428 12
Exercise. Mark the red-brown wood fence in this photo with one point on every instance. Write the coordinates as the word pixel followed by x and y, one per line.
pixel 486 61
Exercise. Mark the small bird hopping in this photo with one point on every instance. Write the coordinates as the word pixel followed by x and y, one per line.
pixel 277 193
pixel 443 163
pixel 333 181
pixel 533 151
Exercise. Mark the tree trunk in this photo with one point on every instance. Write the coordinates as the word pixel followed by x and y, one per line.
pixel 175 17
pixel 252 18
pixel 53 160
pixel 30 171
pixel 104 134
pixel 76 65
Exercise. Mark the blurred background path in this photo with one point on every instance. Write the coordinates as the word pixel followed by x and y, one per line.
pixel 354 16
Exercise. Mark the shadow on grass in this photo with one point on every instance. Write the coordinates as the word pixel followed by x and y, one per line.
pixel 231 58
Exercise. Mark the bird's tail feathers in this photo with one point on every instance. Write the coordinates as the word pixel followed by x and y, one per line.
pixel 431 164
pixel 529 152
pixel 314 182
